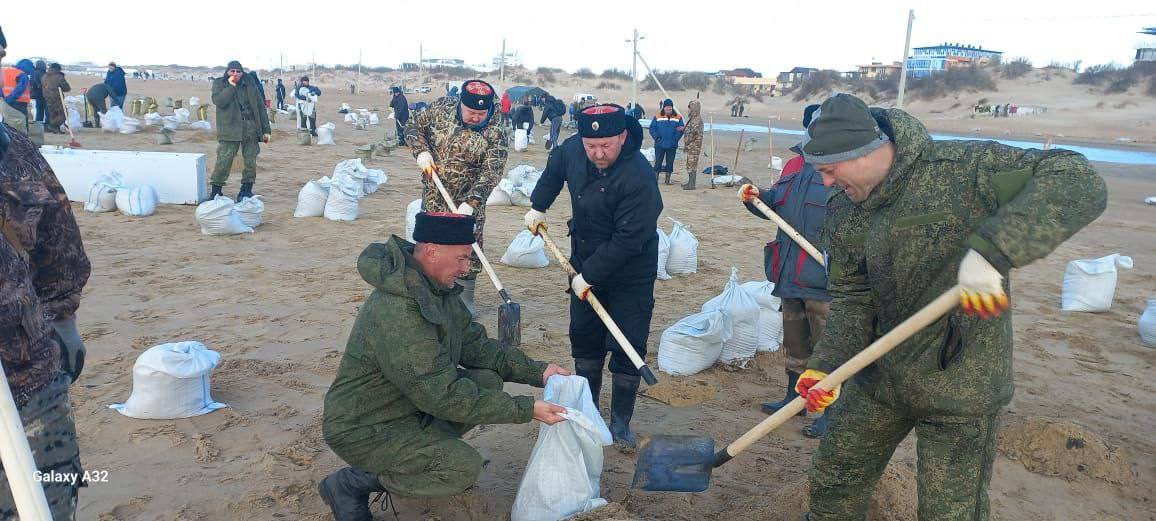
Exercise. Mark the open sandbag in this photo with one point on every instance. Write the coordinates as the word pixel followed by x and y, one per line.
pixel 743 311
pixel 342 203
pixel 102 193
pixel 770 314
pixel 137 201
pixel 526 251
pixel 1090 285
pixel 325 134
pixel 311 199
pixel 219 217
pixel 251 211
pixel 373 180
pixel 694 343
pixel 171 381
pixel 683 257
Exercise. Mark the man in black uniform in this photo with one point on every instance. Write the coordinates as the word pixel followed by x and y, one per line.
pixel 613 245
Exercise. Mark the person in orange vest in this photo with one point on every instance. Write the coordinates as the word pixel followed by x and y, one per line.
pixel 18 85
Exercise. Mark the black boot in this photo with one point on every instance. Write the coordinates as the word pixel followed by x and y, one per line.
pixel 667 174
pixel 246 192
pixel 216 191
pixel 591 370
pixel 622 398
pixel 773 407
pixel 817 428
pixel 690 183
pixel 347 493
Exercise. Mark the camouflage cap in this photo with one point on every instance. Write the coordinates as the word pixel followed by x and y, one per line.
pixel 841 130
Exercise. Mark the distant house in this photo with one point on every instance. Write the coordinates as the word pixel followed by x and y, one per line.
pixel 755 85
pixel 410 66
pixel 1147 53
pixel 926 61
pixel 443 62
pixel 738 73
pixel 791 78
pixel 878 70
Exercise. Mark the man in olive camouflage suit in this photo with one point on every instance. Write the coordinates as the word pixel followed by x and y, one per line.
pixel 692 139
pixel 468 146
pixel 912 218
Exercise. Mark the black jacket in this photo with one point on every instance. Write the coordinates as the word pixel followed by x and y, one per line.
pixel 613 235
pixel 400 107
pixel 553 109
pixel 523 114
pixel 280 91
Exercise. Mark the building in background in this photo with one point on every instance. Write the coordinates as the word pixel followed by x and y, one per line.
pixel 1146 52
pixel 788 80
pixel 926 61
pixel 879 70
pixel 755 85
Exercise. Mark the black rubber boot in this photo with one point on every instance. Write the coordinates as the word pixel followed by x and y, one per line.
pixel 246 192
pixel 690 183
pixel 817 428
pixel 667 174
pixel 347 493
pixel 773 407
pixel 591 370
pixel 622 397
pixel 216 191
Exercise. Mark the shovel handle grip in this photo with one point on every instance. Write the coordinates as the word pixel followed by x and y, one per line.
pixel 791 232
pixel 433 175
pixel 930 313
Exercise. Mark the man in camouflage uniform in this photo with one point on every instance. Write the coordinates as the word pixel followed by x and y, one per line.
pixel 241 121
pixel 43 268
pixel 915 217
pixel 468 146
pixel 418 373
pixel 693 142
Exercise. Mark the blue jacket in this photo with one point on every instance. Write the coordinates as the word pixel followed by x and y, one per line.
pixel 23 81
pixel 666 131
pixel 800 198
pixel 612 239
pixel 115 81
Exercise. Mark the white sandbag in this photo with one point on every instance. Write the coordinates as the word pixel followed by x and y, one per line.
pixel 129 126
pixel 411 211
pixel 342 203
pixel 251 211
pixel 683 257
pixel 743 311
pixel 137 201
pixel 201 125
pixel 311 199
pixel 1090 285
pixel 345 109
pixel 171 381
pixel 373 119
pixel 694 343
pixel 770 314
pixel 520 195
pixel 1150 200
pixel 1148 324
pixel 219 217
pixel 521 141
pixel 351 118
pixel 325 136
pixel 648 153
pixel 663 255
pixel 374 178
pixel 194 101
pixel 170 122
pixel 110 121
pixel 523 174
pixel 726 180
pixel 526 251
pixel 153 119
pixel 74 121
pixel 565 468
pixel 498 197
pixel 182 115
pixel 102 193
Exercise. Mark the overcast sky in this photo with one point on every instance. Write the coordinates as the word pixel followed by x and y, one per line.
pixel 767 36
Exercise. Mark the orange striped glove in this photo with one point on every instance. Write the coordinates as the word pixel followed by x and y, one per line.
pixel 817 399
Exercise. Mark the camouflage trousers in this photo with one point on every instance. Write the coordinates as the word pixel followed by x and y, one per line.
pixel 422 456
pixel 955 459
pixel 432 201
pixel 51 432
pixel 693 153
pixel 803 323
pixel 227 151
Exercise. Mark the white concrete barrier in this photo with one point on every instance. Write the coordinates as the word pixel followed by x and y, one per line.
pixel 179 178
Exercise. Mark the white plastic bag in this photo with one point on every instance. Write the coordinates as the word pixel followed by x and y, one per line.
pixel 521 141
pixel 683 257
pixel 251 211
pixel 1148 324
pixel 342 203
pixel 565 467
pixel 526 251
pixel 411 211
pixel 153 119
pixel 311 199
pixel 218 217
pixel 138 201
pixel 110 121
pixel 770 314
pixel 182 115
pixel 694 343
pixel 1090 285
pixel 663 255
pixel 498 197
pixel 374 178
pixel 743 311
pixel 171 381
pixel 325 134
pixel 102 193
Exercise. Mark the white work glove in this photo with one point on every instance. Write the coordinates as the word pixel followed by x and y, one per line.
pixel 981 287
pixel 425 162
pixel 465 209
pixel 580 287
pixel 534 219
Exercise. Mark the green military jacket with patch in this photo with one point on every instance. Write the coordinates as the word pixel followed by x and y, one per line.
pixel 403 355
pixel 241 113
pixel 899 249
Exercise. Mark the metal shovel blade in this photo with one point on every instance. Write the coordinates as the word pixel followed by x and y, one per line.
pixel 674 464
pixel 510 324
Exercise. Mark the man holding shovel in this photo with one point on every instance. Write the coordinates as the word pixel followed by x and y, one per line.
pixel 912 218
pixel 418 373
pixel 468 144
pixel 613 247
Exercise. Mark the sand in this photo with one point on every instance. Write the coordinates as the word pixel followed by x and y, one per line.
pixel 278 305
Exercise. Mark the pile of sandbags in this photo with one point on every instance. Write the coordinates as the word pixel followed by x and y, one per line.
pixel 102 193
pixel 337 197
pixel 110 121
pixel 515 189
pixel 682 258
pixel 743 311
pixel 171 381
pixel 1090 285
pixel 526 251
pixel 219 216
pixel 770 314
pixel 694 343
pixel 311 198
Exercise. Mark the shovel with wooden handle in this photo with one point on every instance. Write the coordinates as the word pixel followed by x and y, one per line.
pixel 509 312
pixel 791 232
pixel 72 143
pixel 684 463
pixel 638 362
pixel 16 456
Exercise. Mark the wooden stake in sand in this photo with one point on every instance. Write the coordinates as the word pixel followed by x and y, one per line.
pixel 735 170
pixel 712 163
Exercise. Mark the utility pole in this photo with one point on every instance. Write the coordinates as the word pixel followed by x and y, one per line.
pixel 634 68
pixel 419 63
pixel 903 69
pixel 357 83
pixel 502 69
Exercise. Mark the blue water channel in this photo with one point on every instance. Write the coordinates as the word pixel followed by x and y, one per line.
pixel 1106 155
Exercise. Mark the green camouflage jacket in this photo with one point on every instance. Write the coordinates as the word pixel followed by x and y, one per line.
pixel 403 355
pixel 899 249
